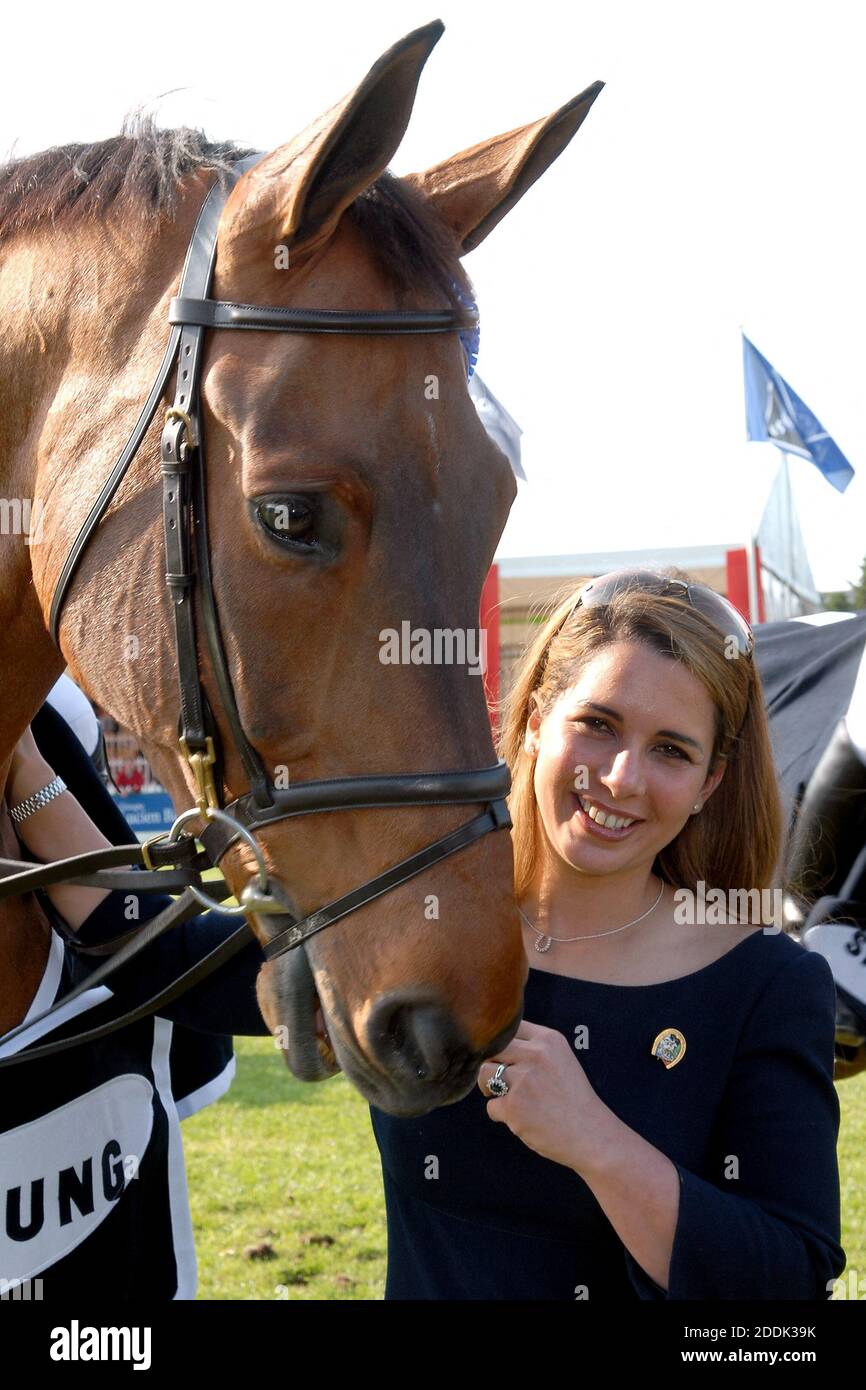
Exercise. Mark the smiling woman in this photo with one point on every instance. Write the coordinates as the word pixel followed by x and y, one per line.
pixel 697 732
pixel 665 1069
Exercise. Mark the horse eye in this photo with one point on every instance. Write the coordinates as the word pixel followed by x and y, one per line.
pixel 289 519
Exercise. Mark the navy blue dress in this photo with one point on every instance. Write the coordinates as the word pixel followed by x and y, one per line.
pixel 749 1115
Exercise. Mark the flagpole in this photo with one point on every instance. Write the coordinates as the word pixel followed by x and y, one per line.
pixel 789 519
pixel 752 576
pixel 751 538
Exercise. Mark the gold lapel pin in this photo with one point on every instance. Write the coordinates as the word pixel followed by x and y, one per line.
pixel 669 1047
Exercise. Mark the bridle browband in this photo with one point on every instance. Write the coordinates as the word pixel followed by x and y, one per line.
pixel 191 314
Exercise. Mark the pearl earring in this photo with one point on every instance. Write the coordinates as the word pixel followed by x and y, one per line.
pixel 697 806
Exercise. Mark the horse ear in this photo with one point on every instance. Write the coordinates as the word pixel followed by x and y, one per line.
pixel 473 190
pixel 298 193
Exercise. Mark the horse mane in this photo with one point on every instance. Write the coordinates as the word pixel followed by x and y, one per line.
pixel 139 170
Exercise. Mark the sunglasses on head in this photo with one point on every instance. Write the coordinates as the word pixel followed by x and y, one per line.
pixel 717 610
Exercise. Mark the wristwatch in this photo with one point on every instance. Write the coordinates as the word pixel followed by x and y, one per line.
pixel 38 799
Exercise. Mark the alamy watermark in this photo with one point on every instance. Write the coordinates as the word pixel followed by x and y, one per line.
pixel 77 1343
pixel 438 646
pixel 22 516
pixel 21 1290
pixel 850 1285
pixel 708 907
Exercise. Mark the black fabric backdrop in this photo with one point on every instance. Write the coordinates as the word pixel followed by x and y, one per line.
pixel 808 673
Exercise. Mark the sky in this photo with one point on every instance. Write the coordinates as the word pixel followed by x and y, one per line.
pixel 715 187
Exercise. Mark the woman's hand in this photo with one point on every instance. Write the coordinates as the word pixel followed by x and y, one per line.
pixel 550 1104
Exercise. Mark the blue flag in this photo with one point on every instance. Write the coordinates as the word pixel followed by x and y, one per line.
pixel 503 430
pixel 774 412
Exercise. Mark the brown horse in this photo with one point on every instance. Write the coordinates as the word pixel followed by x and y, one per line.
pixel 380 441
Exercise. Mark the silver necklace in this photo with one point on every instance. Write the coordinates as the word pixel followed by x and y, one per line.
pixel 543 942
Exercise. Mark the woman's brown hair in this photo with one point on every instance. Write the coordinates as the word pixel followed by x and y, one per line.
pixel 734 843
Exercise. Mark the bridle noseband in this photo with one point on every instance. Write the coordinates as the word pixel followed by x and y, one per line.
pixel 191 315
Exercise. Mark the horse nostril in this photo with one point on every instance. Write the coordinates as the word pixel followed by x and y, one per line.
pixel 416 1037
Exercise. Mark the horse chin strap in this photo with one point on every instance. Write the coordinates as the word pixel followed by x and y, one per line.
pixel 188 571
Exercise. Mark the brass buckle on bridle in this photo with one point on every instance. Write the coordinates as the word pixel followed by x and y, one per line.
pixel 202 765
pixel 145 849
pixel 174 412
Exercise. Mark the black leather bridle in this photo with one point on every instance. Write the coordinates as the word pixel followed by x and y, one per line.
pixel 191 314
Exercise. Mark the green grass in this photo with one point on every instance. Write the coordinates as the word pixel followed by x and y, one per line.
pixel 852 1171
pixel 285 1185
pixel 295 1167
